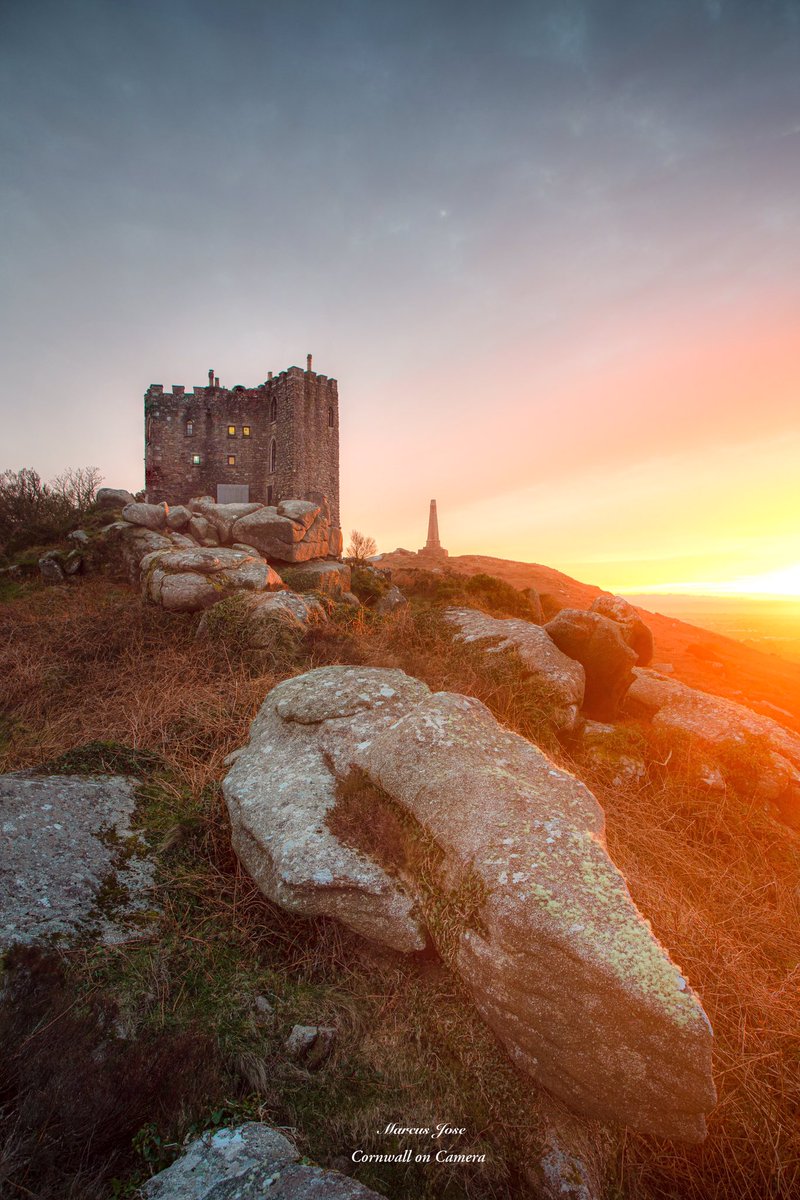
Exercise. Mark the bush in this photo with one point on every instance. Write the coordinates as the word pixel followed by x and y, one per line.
pixel 33 512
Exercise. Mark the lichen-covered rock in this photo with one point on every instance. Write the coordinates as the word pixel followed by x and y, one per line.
pixel 527 905
pixel 599 645
pixel 151 516
pixel 294 531
pixel 562 676
pixel 280 789
pixel 61 837
pixel 719 727
pixel 636 633
pixel 221 516
pixel 251 1162
pixel 191 580
pixel 321 575
pixel 265 612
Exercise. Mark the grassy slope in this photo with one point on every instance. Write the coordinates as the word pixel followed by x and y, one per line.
pixel 726 667
pixel 717 878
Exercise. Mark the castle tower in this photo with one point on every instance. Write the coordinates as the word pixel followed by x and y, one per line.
pixel 433 547
pixel 276 441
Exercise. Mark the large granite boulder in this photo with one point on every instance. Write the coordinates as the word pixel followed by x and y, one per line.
pixel 562 677
pixel 250 1162
pixel 113 498
pixel 151 516
pixel 221 516
pixel 187 580
pixel 636 633
pixel 599 645
pixel 725 731
pixel 293 531
pixel 499 857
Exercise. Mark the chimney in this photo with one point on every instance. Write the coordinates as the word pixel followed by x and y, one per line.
pixel 269 374
pixel 211 377
pixel 308 362
pixel 216 381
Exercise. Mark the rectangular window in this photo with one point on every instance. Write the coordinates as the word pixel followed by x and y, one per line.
pixel 245 431
pixel 196 460
pixel 231 460
pixel 231 431
pixel 189 428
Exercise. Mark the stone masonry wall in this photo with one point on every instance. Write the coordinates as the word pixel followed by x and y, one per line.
pixel 180 425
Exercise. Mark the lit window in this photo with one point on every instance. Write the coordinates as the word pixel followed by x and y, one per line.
pixel 245 431
pixel 273 411
pixel 189 428
pixel 231 460
pixel 196 460
pixel 273 455
pixel 231 431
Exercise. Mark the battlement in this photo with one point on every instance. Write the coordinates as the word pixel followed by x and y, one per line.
pixel 274 440
pixel 216 390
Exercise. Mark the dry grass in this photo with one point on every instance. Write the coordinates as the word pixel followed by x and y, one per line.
pixel 717 878
pixel 92 664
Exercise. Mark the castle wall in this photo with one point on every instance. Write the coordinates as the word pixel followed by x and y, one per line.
pixel 180 425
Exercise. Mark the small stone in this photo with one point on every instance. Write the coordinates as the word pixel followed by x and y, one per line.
pixel 310 1044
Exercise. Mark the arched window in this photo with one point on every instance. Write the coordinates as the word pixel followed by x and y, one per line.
pixel 273 410
pixel 273 455
pixel 189 428
pixel 330 416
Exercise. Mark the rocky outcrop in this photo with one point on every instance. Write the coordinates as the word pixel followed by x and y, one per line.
pixel 294 531
pixel 599 645
pixel 250 1162
pixel 191 580
pixel 638 635
pixel 725 730
pixel 561 675
pixel 519 894
pixel 62 838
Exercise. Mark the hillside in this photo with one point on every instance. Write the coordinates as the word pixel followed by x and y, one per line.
pixel 700 658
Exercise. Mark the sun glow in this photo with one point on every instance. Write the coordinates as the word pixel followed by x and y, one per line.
pixel 782 583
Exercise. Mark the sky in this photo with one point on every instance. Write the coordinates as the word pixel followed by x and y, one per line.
pixel 550 251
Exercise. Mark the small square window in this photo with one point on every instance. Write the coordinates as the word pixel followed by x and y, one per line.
pixel 231 460
pixel 245 431
pixel 231 431
pixel 196 460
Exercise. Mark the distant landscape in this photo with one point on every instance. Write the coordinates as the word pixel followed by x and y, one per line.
pixel 772 626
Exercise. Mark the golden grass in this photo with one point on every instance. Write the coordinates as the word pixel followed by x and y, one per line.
pixel 718 879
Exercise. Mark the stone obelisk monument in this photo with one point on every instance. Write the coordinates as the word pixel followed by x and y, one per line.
pixel 433 547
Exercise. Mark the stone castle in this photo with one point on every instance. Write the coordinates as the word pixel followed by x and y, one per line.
pixel 276 441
